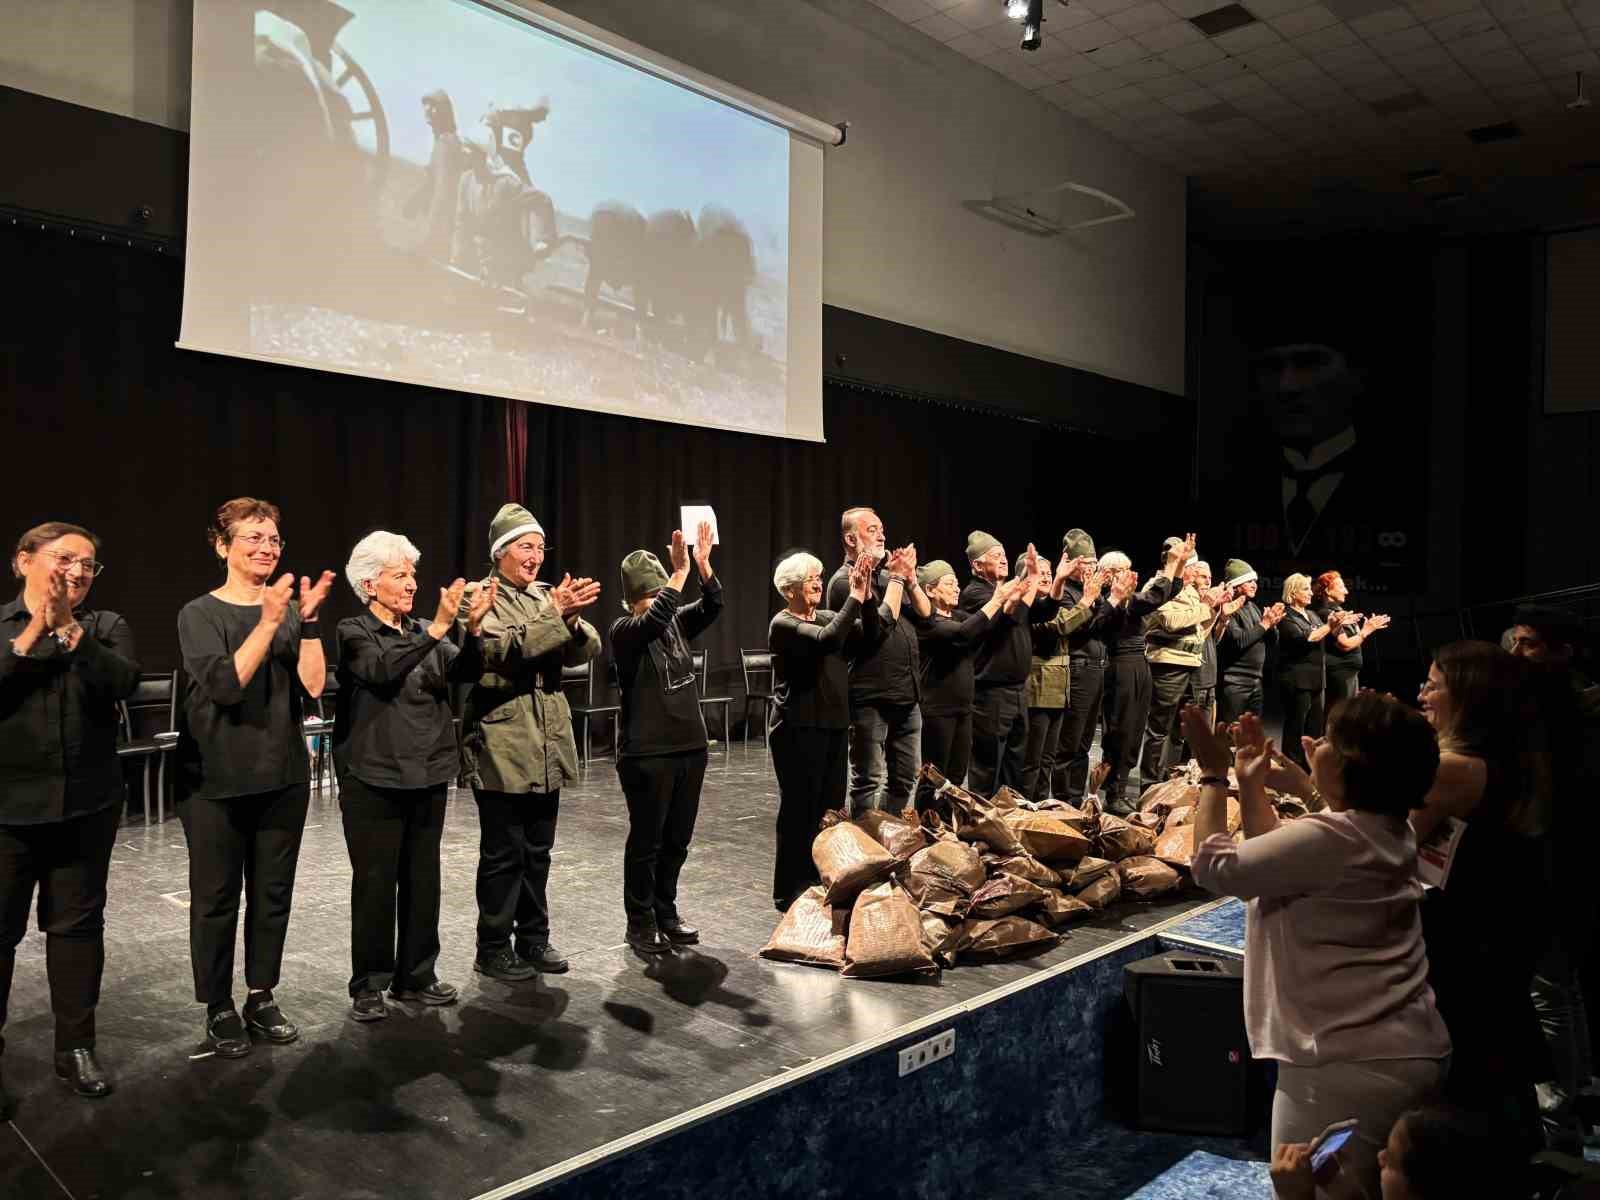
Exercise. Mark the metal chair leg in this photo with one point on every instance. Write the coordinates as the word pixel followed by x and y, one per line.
pixel 145 782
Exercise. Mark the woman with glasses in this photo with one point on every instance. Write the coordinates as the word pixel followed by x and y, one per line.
pixel 252 651
pixel 63 668
pixel 661 751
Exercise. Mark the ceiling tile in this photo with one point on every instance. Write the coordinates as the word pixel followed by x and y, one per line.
pixel 1193 8
pixel 1518 10
pixel 1090 35
pixel 940 27
pixel 971 45
pixel 1323 40
pixel 1002 34
pixel 1402 41
pixel 1304 20
pixel 1432 10
pixel 1267 9
pixel 1227 68
pixel 1344 55
pixel 1453 83
pixel 1247 37
pixel 1534 28
pixel 1084 107
pixel 973 14
pixel 1429 59
pixel 1386 21
pixel 1096 85
pixel 1057 93
pixel 1167 85
pixel 1142 17
pixel 1122 97
pixel 1169 37
pixel 1069 66
pixel 1587 14
pixel 1271 56
pixel 1247 84
pixel 1462 24
pixel 1547 49
pixel 1116 53
pixel 907 10
pixel 1587 60
pixel 1464 50
pixel 1190 101
pixel 1106 7
pixel 1292 72
pixel 1146 69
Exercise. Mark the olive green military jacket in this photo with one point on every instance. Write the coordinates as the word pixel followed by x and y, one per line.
pixel 1050 679
pixel 516 728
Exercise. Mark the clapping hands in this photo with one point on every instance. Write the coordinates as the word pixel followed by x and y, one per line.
pixel 702 549
pixel 1210 743
pixel 1093 583
pixel 571 594
pixel 861 578
pixel 449 605
pixel 482 601
pixel 275 600
pixel 1272 615
pixel 313 594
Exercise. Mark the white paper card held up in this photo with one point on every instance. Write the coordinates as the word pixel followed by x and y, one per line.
pixel 689 518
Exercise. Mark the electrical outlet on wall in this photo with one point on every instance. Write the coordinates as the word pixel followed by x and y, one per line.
pixel 930 1050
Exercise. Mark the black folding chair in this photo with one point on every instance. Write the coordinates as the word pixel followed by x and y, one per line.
pixel 756 666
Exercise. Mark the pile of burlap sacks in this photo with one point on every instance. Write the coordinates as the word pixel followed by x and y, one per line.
pixel 978 880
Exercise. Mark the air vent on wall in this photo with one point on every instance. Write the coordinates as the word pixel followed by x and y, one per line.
pixel 1220 20
pixel 1504 132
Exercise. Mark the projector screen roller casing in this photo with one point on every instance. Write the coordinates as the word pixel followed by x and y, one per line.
pixel 435 192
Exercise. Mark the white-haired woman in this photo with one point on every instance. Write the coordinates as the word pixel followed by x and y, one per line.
pixel 811 709
pixel 1301 676
pixel 395 753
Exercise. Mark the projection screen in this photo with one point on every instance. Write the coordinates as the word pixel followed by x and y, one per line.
pixel 498 198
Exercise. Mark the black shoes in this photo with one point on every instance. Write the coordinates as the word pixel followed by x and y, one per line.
pixel 677 931
pixel 79 1070
pixel 503 963
pixel 645 937
pixel 264 1019
pixel 225 1036
pixel 369 1006
pixel 544 958
pixel 434 994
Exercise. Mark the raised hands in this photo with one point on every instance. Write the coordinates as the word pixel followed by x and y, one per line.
pixel 1093 584
pixel 1271 615
pixel 1210 743
pixel 1123 584
pixel 1180 555
pixel 275 599
pixel 903 562
pixel 678 553
pixel 1253 751
pixel 478 607
pixel 56 612
pixel 313 594
pixel 449 605
pixel 572 594
pixel 702 549
pixel 861 578
pixel 1030 560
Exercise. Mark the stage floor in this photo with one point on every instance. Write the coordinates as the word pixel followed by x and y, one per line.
pixel 452 1102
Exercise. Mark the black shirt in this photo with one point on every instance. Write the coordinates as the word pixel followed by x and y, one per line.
pixel 394 727
pixel 58 718
pixel 1085 642
pixel 1206 677
pixel 1335 655
pixel 239 741
pixel 884 662
pixel 1006 651
pixel 1243 652
pixel 810 678
pixel 1299 658
pixel 948 644
pixel 661 711
pixel 1125 623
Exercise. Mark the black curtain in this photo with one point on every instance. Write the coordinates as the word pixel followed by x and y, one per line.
pixel 109 425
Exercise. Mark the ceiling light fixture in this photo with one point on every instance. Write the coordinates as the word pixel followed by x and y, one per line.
pixel 1032 25
pixel 1016 9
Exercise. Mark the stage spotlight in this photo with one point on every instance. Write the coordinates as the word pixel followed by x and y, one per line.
pixel 1032 22
pixel 1016 9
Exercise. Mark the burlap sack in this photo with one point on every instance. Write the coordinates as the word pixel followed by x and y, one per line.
pixel 1004 895
pixel 1026 867
pixel 941 937
pixel 942 877
pixel 1175 847
pixel 894 833
pixel 1087 871
pixel 1046 838
pixel 885 935
pixel 811 932
pixel 1117 839
pixel 1006 936
pixel 1145 877
pixel 848 860
pixel 1057 909
pixel 1102 891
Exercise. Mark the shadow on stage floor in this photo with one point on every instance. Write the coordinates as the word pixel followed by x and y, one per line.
pixel 450 1102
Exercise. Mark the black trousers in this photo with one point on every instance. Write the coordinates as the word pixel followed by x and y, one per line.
pixel 392 835
pixel 1039 756
pixel 1069 778
pixel 1238 696
pixel 1342 683
pixel 1302 717
pixel 248 842
pixel 1126 706
pixel 67 861
pixel 517 831
pixel 999 739
pixel 812 770
pixel 663 794
pixel 947 747
pixel 1170 688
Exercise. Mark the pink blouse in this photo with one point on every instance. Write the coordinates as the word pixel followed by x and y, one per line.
pixel 1334 965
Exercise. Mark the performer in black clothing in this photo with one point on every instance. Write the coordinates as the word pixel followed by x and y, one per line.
pixel 661 752
pixel 1300 665
pixel 1342 648
pixel 1243 631
pixel 811 708
pixel 885 717
pixel 63 668
pixel 394 750
pixel 253 655
pixel 1126 704
pixel 948 643
pixel 1000 667
pixel 1086 660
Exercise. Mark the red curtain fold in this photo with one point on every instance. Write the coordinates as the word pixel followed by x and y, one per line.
pixel 516 450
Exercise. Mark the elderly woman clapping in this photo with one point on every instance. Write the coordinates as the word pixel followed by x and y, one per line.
pixel 811 708
pixel 395 752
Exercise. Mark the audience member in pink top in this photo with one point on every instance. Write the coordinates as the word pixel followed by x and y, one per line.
pixel 1336 975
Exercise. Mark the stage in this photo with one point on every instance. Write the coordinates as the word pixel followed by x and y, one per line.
pixel 600 1079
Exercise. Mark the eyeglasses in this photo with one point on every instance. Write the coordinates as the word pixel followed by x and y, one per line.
pixel 255 539
pixel 88 566
pixel 532 547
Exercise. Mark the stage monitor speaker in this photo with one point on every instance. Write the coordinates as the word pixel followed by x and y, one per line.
pixel 1193 1071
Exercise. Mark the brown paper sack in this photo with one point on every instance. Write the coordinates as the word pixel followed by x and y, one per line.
pixel 1004 895
pixel 1027 867
pixel 1175 847
pixel 1057 909
pixel 1046 838
pixel 1102 891
pixel 1118 840
pixel 885 935
pixel 988 826
pixel 899 837
pixel 848 860
pixel 942 878
pixel 811 932
pixel 1145 820
pixel 1006 798
pixel 941 937
pixel 1168 794
pixel 1146 877
pixel 1088 871
pixel 1067 814
pixel 1006 936
pixel 1182 815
